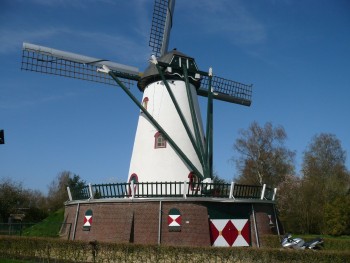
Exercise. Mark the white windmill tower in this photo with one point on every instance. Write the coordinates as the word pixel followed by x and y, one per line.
pixel 170 143
pixel 170 103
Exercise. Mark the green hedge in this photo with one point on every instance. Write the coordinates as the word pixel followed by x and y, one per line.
pixel 56 250
pixel 330 244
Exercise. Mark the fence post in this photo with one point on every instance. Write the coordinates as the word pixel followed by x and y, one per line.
pixel 231 190
pixel 90 191
pixel 69 194
pixel 185 190
pixel 132 189
pixel 274 194
pixel 263 192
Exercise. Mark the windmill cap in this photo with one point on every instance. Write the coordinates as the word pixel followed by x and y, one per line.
pixel 175 59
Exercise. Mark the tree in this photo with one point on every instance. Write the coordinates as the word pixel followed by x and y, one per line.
pixel 58 189
pixel 264 159
pixel 11 197
pixel 35 204
pixel 289 202
pixel 325 179
pixel 337 216
pixel 17 200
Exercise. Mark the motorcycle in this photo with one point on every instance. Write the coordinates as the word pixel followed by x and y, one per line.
pixel 297 243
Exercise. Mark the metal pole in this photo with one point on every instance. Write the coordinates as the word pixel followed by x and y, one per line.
pixel 132 189
pixel 182 117
pixel 185 190
pixel 209 132
pixel 195 123
pixel 231 190
pixel 75 221
pixel 274 194
pixel 90 191
pixel 263 192
pixel 278 229
pixel 69 194
pixel 256 227
pixel 160 223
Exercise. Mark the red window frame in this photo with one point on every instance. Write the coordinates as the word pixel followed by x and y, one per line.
pixel 145 102
pixel 193 181
pixel 159 141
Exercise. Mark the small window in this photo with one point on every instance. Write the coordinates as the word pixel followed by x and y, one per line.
pixel 145 102
pixel 159 141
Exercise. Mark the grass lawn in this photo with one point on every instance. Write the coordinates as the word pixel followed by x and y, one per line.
pixel 49 227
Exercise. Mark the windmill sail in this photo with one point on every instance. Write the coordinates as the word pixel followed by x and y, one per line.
pixel 52 61
pixel 161 25
pixel 227 90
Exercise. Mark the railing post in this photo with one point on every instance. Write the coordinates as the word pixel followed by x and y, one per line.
pixel 90 191
pixel 274 194
pixel 231 190
pixel 69 194
pixel 263 192
pixel 185 190
pixel 132 189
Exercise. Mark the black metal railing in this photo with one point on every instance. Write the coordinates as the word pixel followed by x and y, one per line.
pixel 172 189
pixel 247 191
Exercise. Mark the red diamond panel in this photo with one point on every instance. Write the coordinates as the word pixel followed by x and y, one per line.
pixel 214 232
pixel 230 233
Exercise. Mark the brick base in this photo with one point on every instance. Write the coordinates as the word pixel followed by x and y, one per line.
pixel 146 221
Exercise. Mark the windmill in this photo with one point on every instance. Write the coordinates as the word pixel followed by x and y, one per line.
pixel 171 143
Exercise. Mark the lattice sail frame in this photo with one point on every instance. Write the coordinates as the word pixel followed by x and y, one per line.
pixel 161 26
pixel 227 90
pixel 56 62
pixel 66 64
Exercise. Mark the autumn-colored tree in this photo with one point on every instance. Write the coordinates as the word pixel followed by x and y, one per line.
pixel 10 197
pixel 337 216
pixel 58 188
pixel 14 199
pixel 289 201
pixel 325 179
pixel 263 157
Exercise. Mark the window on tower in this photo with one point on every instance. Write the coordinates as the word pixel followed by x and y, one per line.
pixel 193 181
pixel 159 141
pixel 145 102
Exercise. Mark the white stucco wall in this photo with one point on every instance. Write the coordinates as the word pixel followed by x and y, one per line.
pixel 163 164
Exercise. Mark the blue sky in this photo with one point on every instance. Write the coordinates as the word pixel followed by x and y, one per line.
pixel 296 53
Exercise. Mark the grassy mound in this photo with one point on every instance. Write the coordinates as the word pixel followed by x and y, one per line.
pixel 49 227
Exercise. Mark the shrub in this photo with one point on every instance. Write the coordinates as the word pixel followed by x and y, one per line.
pixel 56 250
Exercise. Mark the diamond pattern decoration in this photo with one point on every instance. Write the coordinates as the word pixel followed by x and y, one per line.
pixel 87 220
pixel 174 220
pixel 230 232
